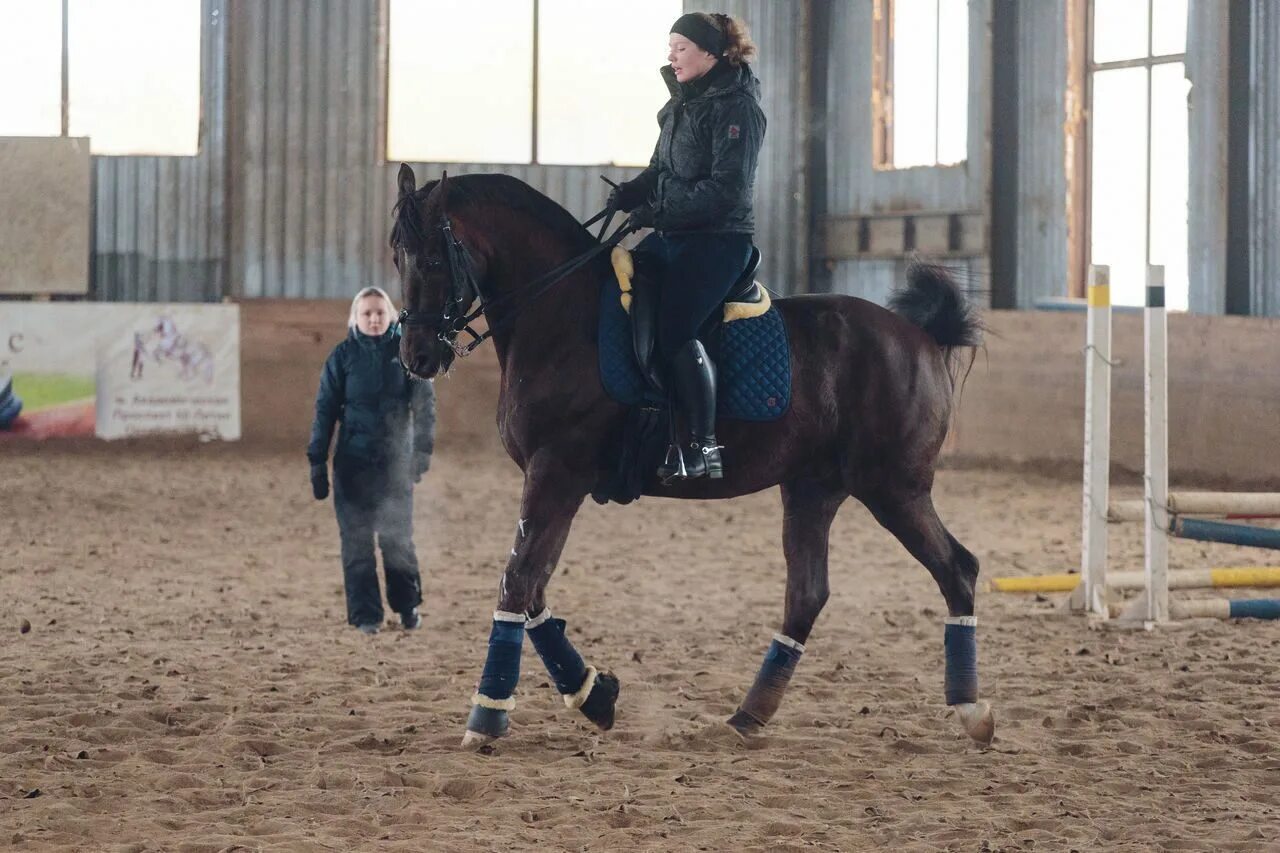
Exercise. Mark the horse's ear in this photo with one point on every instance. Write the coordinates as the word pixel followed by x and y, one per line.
pixel 406 180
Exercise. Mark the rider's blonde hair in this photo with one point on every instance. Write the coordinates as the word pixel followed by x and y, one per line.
pixel 371 291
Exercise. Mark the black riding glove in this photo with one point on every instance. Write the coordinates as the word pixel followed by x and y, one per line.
pixel 320 481
pixel 644 216
pixel 421 465
pixel 627 197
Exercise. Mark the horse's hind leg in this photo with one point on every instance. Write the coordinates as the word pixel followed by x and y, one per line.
pixel 914 521
pixel 808 507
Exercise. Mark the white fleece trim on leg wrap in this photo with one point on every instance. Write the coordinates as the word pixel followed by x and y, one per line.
pixel 971 621
pixel 790 643
pixel 577 700
pixel 506 616
pixel 538 620
pixel 508 704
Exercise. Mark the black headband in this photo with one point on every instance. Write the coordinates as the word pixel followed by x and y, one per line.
pixel 698 30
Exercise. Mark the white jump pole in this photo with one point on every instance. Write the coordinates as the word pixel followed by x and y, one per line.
pixel 1156 432
pixel 1225 504
pixel 1097 441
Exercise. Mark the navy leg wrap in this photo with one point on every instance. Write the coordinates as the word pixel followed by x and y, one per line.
pixel 502 667
pixel 779 663
pixel 487 721
pixel 960 641
pixel 771 682
pixel 493 697
pixel 562 660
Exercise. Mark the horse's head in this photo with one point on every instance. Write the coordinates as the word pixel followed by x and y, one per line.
pixel 437 277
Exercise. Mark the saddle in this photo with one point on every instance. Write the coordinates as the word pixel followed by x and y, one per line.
pixel 746 339
pixel 638 294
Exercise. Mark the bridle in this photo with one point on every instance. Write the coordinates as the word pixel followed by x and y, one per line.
pixel 464 289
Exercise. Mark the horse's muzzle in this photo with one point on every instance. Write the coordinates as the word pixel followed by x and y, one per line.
pixel 426 362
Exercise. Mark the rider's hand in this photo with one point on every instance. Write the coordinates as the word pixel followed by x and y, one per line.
pixel 644 216
pixel 626 197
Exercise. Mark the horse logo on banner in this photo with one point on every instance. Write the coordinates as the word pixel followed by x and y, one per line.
pixel 163 343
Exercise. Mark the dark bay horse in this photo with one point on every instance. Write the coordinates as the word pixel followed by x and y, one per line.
pixel 871 403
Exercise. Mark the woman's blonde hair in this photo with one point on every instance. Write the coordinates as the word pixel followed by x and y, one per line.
pixel 370 291
pixel 738 44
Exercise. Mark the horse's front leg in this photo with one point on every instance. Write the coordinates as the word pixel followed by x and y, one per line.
pixel 552 496
pixel 583 687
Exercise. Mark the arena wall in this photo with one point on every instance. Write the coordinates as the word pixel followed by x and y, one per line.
pixel 1022 403
pixel 1024 400
pixel 284 343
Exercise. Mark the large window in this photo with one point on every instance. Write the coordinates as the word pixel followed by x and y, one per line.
pixel 125 73
pixel 1138 149
pixel 570 82
pixel 921 83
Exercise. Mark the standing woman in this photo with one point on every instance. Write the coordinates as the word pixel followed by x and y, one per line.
pixel 696 194
pixel 384 447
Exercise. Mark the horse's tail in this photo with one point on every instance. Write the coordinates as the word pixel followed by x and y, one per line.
pixel 934 301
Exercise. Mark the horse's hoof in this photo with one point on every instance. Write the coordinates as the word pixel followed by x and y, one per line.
pixel 746 725
pixel 602 700
pixel 475 740
pixel 978 721
pixel 483 726
pixel 718 733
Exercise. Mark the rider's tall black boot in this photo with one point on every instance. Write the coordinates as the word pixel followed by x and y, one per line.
pixel 694 378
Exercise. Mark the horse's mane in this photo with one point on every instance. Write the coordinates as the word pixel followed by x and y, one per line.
pixel 469 192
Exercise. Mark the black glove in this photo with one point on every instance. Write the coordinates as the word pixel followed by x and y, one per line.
pixel 626 197
pixel 421 465
pixel 644 216
pixel 320 481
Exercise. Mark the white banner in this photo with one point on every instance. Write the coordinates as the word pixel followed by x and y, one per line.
pixel 119 369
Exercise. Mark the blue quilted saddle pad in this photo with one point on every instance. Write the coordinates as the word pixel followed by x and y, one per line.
pixel 752 355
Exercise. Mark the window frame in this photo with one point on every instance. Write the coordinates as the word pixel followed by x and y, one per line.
pixel 384 106
pixel 65 111
pixel 882 39
pixel 1090 67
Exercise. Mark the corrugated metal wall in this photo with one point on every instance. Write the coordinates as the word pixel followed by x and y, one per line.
pixel 856 187
pixel 1042 168
pixel 782 230
pixel 1207 68
pixel 303 165
pixel 1264 161
pixel 289 195
pixel 159 222
pixel 313 195
pixel 1042 155
pixel 1207 62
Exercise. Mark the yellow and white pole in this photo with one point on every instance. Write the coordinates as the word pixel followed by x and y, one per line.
pixel 1216 578
pixel 1097 441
